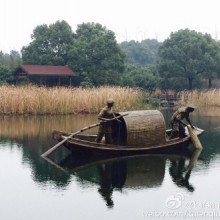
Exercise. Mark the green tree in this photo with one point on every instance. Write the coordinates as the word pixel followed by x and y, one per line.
pixel 5 74
pixel 11 60
pixel 96 56
pixel 144 52
pixel 212 60
pixel 188 54
pixel 8 62
pixel 145 77
pixel 15 59
pixel 50 44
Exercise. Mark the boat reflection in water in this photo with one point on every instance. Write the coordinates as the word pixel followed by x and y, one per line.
pixel 139 172
pixel 180 172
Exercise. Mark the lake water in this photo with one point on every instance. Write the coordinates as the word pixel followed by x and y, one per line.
pixel 156 186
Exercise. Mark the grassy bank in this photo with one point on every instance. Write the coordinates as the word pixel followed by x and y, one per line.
pixel 205 98
pixel 63 100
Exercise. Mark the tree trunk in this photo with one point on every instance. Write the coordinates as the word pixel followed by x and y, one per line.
pixel 190 83
pixel 210 83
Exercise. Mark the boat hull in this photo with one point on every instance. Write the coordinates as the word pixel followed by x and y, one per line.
pixel 86 144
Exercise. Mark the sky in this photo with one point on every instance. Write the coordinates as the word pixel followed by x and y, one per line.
pixel 128 19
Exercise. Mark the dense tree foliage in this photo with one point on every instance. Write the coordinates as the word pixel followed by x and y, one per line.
pixel 50 44
pixel 145 77
pixel 188 55
pixel 96 56
pixel 8 62
pixel 184 60
pixel 140 59
pixel 11 60
pixel 5 74
pixel 92 51
pixel 144 52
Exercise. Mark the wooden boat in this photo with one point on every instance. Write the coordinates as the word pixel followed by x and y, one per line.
pixel 139 132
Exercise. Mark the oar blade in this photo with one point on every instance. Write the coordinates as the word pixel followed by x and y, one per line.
pixel 195 140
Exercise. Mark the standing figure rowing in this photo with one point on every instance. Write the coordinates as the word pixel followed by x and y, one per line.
pixel 105 129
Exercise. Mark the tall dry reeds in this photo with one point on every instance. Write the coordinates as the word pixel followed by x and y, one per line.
pixel 62 100
pixel 205 98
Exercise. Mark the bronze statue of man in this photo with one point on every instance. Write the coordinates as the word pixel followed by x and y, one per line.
pixel 105 128
pixel 177 124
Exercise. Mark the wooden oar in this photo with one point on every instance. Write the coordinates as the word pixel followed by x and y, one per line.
pixel 77 132
pixel 56 165
pixel 193 159
pixel 195 140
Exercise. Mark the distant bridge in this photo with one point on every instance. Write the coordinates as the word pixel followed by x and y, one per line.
pixel 168 100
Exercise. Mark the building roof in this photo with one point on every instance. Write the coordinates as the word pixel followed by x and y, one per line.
pixel 45 70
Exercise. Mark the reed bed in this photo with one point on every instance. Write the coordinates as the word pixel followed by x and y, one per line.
pixel 65 100
pixel 205 98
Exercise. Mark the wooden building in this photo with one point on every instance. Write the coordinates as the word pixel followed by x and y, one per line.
pixel 44 75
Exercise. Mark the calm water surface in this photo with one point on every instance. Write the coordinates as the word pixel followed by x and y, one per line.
pixel 172 185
